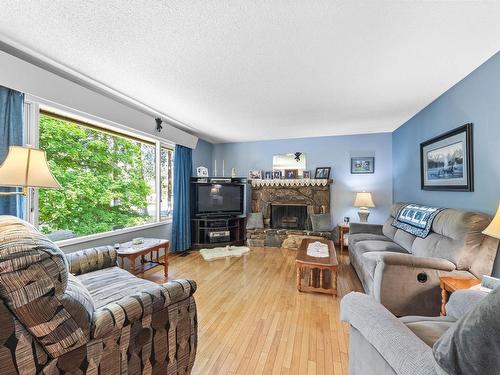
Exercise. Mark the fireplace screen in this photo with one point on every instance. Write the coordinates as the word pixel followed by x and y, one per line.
pixel 288 216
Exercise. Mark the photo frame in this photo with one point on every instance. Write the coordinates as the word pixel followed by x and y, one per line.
pixel 322 173
pixel 363 165
pixel 447 161
pixel 277 175
pixel 255 174
pixel 306 174
pixel 291 174
pixel 268 175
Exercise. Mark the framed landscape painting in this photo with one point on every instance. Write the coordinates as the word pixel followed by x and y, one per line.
pixel 446 161
pixel 362 165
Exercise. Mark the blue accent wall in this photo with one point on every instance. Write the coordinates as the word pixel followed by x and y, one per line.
pixel 202 156
pixel 334 152
pixel 475 99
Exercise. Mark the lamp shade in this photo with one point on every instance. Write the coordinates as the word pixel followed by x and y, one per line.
pixel 364 199
pixel 493 230
pixel 26 167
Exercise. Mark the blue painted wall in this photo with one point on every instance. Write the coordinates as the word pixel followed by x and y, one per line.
pixel 202 156
pixel 475 99
pixel 332 152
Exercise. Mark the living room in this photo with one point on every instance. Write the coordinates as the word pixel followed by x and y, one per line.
pixel 249 188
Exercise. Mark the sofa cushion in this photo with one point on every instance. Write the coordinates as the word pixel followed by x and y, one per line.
pixel 456 236
pixel 378 245
pixel 471 346
pixel 358 237
pixel 429 331
pixel 404 239
pixel 112 284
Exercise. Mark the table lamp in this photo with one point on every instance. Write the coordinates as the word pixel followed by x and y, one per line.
pixel 493 230
pixel 26 167
pixel 363 201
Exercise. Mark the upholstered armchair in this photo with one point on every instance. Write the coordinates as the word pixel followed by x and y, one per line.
pixel 81 314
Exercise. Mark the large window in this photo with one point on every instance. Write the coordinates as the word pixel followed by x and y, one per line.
pixel 108 180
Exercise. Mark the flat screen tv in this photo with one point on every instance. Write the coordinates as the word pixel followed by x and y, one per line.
pixel 219 199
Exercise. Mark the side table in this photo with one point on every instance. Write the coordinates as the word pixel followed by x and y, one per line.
pixel 150 246
pixel 343 229
pixel 449 285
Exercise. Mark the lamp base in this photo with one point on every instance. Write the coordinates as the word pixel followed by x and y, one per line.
pixel 363 214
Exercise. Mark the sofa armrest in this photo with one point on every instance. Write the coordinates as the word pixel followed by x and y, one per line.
pixel 365 228
pixel 395 342
pixel 408 260
pixel 462 301
pixel 126 311
pixel 93 259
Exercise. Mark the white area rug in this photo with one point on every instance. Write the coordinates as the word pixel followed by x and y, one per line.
pixel 223 252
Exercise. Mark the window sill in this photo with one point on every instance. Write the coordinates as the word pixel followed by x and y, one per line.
pixel 98 236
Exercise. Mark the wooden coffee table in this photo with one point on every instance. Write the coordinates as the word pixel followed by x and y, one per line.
pixel 315 274
pixel 150 246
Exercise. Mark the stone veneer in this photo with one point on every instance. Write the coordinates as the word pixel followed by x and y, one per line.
pixel 314 194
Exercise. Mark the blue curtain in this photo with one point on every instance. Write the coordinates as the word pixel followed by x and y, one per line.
pixel 11 133
pixel 181 223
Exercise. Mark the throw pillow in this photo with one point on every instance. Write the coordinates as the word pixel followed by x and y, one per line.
pixel 255 220
pixel 321 222
pixel 471 346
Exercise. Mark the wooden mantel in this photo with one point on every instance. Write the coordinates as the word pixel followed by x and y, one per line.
pixel 292 182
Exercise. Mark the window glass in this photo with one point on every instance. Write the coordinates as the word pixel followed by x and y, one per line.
pixel 167 188
pixel 108 180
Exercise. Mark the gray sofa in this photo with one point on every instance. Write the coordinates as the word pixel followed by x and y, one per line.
pixel 380 343
pixel 402 271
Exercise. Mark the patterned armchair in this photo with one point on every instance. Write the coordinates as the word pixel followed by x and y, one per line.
pixel 81 314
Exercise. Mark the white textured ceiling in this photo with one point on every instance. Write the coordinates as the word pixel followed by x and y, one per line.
pixel 243 70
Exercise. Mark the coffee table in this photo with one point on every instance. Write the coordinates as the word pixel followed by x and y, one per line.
pixel 315 274
pixel 150 246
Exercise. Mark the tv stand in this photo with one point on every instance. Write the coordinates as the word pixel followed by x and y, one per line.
pixel 217 231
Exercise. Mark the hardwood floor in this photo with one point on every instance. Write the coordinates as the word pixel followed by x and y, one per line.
pixel 252 319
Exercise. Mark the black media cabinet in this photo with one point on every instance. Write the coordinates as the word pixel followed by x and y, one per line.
pixel 217 230
pixel 201 228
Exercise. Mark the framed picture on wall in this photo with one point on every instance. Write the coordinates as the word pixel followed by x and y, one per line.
pixel 362 165
pixel 446 161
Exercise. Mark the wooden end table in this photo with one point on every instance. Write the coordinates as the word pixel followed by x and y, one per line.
pixel 450 284
pixel 150 246
pixel 316 270
pixel 343 229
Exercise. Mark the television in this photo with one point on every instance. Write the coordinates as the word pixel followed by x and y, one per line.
pixel 214 199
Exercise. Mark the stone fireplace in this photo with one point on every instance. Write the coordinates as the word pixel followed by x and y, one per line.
pixel 286 206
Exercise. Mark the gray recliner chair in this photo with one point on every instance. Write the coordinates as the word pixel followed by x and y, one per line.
pixel 463 342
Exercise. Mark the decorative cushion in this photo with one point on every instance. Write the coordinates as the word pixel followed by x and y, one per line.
pixel 255 220
pixel 472 346
pixel 321 222
pixel 416 219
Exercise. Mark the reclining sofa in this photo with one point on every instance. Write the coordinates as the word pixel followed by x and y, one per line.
pixel 401 271
pixel 81 314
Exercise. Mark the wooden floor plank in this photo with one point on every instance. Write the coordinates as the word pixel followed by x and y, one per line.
pixel 252 320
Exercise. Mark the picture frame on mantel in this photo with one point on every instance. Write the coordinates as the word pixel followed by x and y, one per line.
pixel 447 161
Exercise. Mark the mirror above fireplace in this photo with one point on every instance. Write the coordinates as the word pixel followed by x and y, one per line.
pixel 293 160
